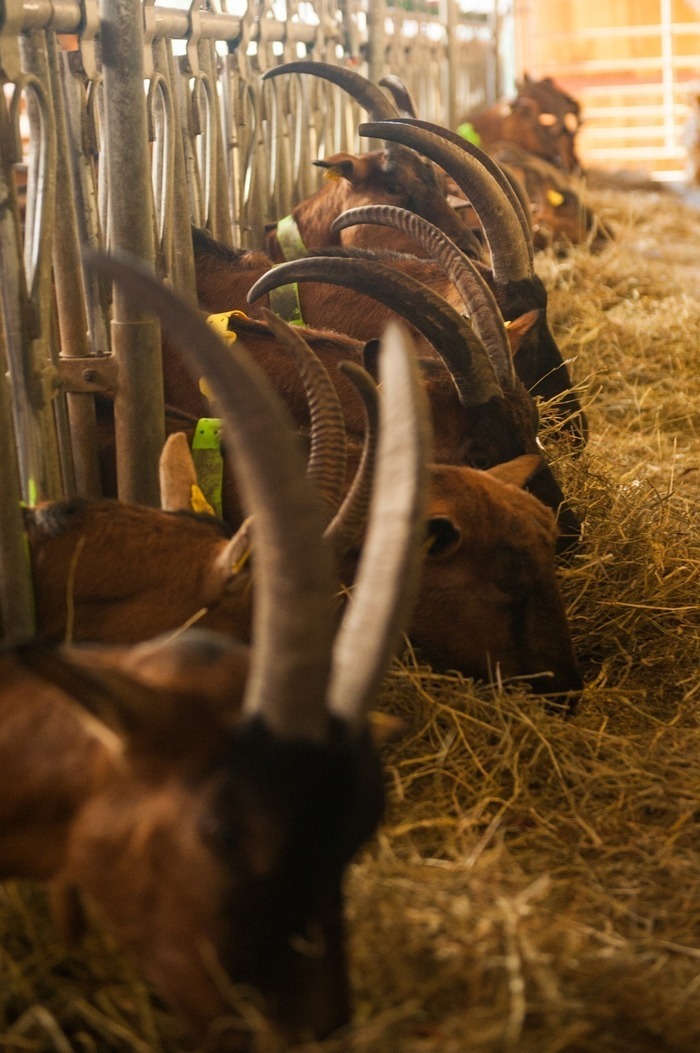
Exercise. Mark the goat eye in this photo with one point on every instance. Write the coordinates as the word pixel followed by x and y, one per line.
pixel 394 188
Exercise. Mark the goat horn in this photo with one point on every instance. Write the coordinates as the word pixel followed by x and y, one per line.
pixel 402 97
pixel 351 517
pixel 369 96
pixel 479 302
pixel 327 454
pixel 293 617
pixel 507 235
pixel 519 203
pixel 450 334
pixel 388 571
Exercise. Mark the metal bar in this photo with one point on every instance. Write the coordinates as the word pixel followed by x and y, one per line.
pixel 138 403
pixel 38 237
pixel 16 590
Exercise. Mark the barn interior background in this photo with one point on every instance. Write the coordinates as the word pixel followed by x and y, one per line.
pixel 536 885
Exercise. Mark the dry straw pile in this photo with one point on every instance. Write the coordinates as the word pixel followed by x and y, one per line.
pixel 536 885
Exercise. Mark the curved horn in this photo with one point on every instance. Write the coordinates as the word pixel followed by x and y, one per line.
pixel 387 575
pixel 351 517
pixel 400 94
pixel 450 334
pixel 505 228
pixel 479 302
pixel 369 96
pixel 327 453
pixel 293 616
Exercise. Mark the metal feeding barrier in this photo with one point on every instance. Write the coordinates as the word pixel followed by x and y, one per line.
pixel 125 122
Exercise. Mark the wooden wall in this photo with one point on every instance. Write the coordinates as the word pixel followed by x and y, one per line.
pixel 632 63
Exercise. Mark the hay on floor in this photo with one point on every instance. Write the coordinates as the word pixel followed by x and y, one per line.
pixel 536 884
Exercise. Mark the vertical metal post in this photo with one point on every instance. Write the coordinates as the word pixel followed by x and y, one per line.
pixel 450 17
pixel 376 40
pixel 138 404
pixel 70 295
pixel 16 592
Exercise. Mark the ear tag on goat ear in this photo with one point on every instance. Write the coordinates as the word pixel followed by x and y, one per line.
pixel 208 462
pixel 555 198
pixel 198 502
pixel 219 323
pixel 469 132
pixel 334 174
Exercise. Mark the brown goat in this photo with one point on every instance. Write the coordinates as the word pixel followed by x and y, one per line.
pixel 554 102
pixel 211 826
pixel 559 216
pixel 541 118
pixel 392 176
pixel 105 571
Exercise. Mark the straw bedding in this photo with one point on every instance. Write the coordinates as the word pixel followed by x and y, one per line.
pixel 536 885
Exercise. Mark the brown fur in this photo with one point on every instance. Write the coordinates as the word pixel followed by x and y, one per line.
pixel 395 176
pixel 559 216
pixel 206 845
pixel 461 617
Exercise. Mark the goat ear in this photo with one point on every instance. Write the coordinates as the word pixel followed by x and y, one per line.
pixel 177 474
pixel 518 329
pixel 116 701
pixel 339 166
pixel 519 471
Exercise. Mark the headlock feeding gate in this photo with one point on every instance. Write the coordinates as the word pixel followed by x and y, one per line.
pixel 129 120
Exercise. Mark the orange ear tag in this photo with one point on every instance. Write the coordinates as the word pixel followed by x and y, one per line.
pixel 333 174
pixel 555 198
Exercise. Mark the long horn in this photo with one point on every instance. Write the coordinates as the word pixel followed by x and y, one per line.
pixel 389 566
pixel 479 302
pixel 293 616
pixel 520 206
pixel 505 229
pixel 327 453
pixel 369 96
pixel 450 334
pixel 402 97
pixel 346 526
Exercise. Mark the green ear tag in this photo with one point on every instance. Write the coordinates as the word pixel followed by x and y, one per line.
pixel 208 462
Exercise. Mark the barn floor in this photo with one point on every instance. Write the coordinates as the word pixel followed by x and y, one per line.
pixel 536 885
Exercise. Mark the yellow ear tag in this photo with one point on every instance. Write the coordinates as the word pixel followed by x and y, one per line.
pixel 555 198
pixel 333 174
pixel 198 501
pixel 219 323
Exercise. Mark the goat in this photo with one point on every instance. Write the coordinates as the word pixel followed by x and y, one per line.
pixel 107 571
pixel 559 216
pixel 560 111
pixel 541 118
pixel 512 277
pixel 213 833
pixel 471 519
pixel 394 176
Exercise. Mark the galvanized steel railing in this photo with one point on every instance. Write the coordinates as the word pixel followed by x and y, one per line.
pixel 134 120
